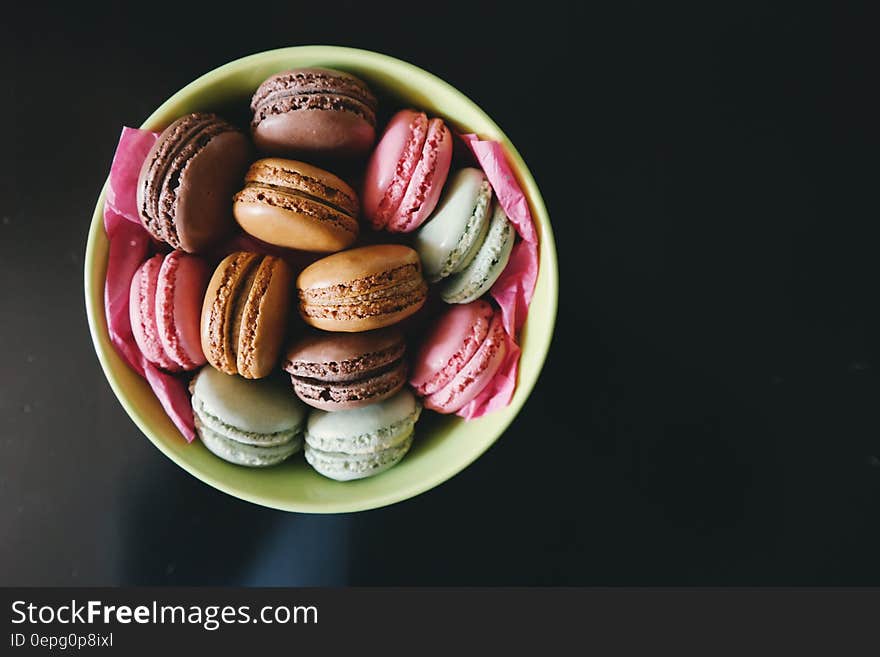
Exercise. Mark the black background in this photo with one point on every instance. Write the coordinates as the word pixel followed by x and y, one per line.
pixel 708 413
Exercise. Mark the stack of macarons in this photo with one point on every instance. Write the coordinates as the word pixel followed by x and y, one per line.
pixel 339 326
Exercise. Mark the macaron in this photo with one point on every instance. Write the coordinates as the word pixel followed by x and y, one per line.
pixel 362 289
pixel 298 206
pixel 187 181
pixel 314 113
pixel 336 371
pixel 448 241
pixel 253 423
pixel 165 301
pixel 459 356
pixel 245 312
pixel 487 264
pixel 406 172
pixel 361 442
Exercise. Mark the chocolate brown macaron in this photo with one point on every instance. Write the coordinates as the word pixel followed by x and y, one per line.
pixel 245 313
pixel 337 371
pixel 362 289
pixel 314 113
pixel 298 206
pixel 186 183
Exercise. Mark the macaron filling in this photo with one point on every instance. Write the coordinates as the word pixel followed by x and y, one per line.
pixel 297 201
pixel 248 322
pixel 347 467
pixel 381 293
pixel 313 90
pixel 289 101
pixel 349 369
pixel 222 337
pixel 292 181
pixel 339 394
pixel 369 304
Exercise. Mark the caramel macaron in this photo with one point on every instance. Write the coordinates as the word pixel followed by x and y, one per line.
pixel 245 312
pixel 298 206
pixel 362 289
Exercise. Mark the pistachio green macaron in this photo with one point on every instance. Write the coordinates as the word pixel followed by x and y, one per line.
pixel 251 422
pixel 448 242
pixel 361 442
pixel 474 281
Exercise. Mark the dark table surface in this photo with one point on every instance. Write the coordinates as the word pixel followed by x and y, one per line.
pixel 708 413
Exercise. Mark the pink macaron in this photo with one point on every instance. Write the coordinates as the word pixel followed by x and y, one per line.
pixel 406 172
pixel 459 356
pixel 165 307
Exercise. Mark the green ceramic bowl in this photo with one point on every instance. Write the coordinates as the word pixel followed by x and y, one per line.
pixel 444 445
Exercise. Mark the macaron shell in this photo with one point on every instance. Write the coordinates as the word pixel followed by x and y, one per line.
pixel 427 180
pixel 340 357
pixel 296 176
pixel 180 291
pixel 155 168
pixel 354 264
pixel 367 322
pixel 266 406
pixel 264 320
pixel 450 345
pixel 301 228
pixel 343 395
pixel 367 443
pixel 362 289
pixel 452 235
pixel 365 429
pixel 488 263
pixel 204 210
pixel 314 112
pixel 217 310
pixel 296 205
pixel 252 456
pixel 142 314
pixel 475 375
pixel 314 132
pixel 349 467
pixel 234 433
pixel 353 444
pixel 391 164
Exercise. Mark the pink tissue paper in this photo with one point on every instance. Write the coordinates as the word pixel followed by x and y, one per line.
pixel 130 245
pixel 514 288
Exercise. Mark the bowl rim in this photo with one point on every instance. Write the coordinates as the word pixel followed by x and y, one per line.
pixel 94 273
